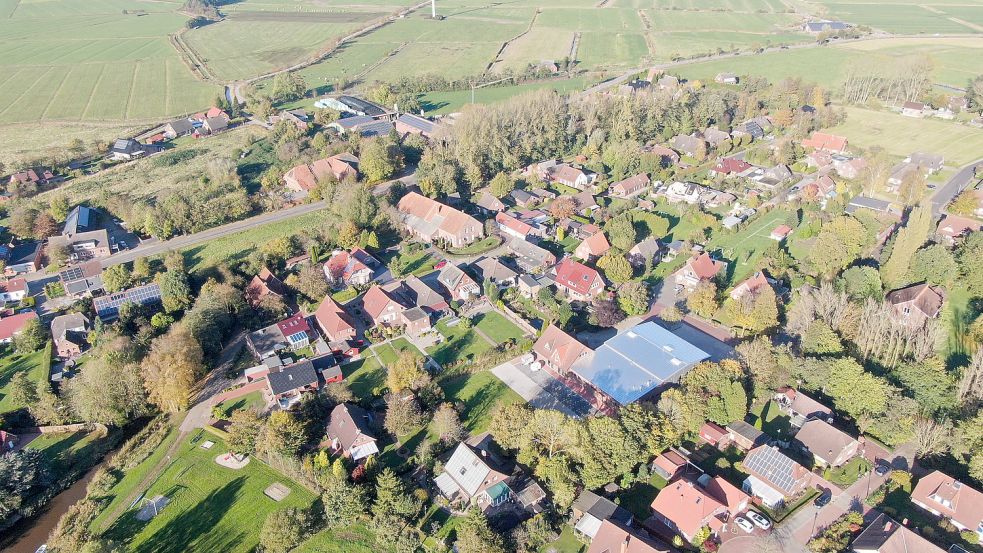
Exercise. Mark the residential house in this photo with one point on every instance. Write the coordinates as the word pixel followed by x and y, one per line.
pixel 801 407
pixel 667 156
pixel 14 289
pixel 382 306
pixel 873 204
pixel 589 510
pixel 263 285
pixel 458 284
pixel 930 163
pixel 669 464
pixel 946 497
pixel 636 363
pixel 849 168
pixel 521 198
pixel 417 292
pixel 298 117
pixel 362 124
pixel 529 285
pixel 8 441
pixel 687 507
pixel 584 203
pixel 107 307
pixel 592 248
pixel 645 253
pixel 296 330
pixel 828 445
pixel 668 82
pixel 913 109
pixel 689 145
pixel 953 228
pixel 750 128
pixel 825 141
pixel 700 268
pixel 490 269
pixel 542 194
pixel 684 192
pixel 773 477
pixel 577 281
pixel 416 321
pixel 715 198
pixel 181 127
pixel 83 246
pixel 745 436
pixel 305 177
pixel 780 233
pixel 885 535
pixel 750 287
pixel 125 149
pixel 82 280
pixel 713 434
pixel 773 177
pixel 557 351
pixel 407 124
pixel 916 303
pixel 270 340
pixel 38 177
pixel 24 258
pixel 70 334
pixel 354 268
pixel 571 176
pixel 349 432
pixel 540 170
pixel 489 204
pixel 287 385
pixel 630 187
pixel 725 78
pixel 673 249
pixel 530 257
pixel 335 323
pixel 430 220
pixel 715 137
pixel 476 475
pixel 510 225
pixel 12 325
pixel 730 166
pixel 615 538
pixel 215 124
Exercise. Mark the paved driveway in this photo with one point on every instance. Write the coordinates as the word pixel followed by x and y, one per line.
pixel 540 389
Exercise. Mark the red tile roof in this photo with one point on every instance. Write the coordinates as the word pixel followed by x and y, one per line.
pixel 963 503
pixel 513 224
pixel 611 538
pixel 731 165
pixel 688 506
pixel 13 285
pixel 559 348
pixel 576 276
pixel 824 141
pixel 376 300
pixel 596 245
pixel 704 267
pixel 294 325
pixel 955 226
pixel 11 325
pixel 334 320
pixel 631 184
pixel 782 231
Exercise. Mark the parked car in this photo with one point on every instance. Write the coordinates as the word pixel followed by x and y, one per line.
pixel 823 499
pixel 758 519
pixel 882 469
pixel 744 524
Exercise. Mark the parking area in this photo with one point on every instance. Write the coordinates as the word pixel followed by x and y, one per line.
pixel 541 389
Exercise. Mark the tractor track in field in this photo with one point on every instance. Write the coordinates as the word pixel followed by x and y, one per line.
pixel 498 55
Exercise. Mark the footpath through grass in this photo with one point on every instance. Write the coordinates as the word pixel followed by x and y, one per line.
pixel 36 364
pixel 212 508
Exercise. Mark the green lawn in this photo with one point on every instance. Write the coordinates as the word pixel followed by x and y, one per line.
pixel 497 327
pixel 344 296
pixel 353 538
pixel 849 473
pixel 64 449
pixel 479 393
pixel 389 352
pixel 638 498
pixel 212 508
pixel 252 400
pixel 566 543
pixel 364 375
pixel 743 249
pixel 458 344
pixel 418 263
pixel 481 246
pixel 131 478
pixel 772 421
pixel 37 366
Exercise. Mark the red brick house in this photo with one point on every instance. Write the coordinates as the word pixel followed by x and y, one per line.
pixel 382 307
pixel 262 285
pixel 700 268
pixel 630 187
pixel 430 220
pixel 558 351
pixel 915 304
pixel 826 142
pixel 334 321
pixel 593 247
pixel 577 281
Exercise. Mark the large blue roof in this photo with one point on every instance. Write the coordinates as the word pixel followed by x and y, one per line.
pixel 637 361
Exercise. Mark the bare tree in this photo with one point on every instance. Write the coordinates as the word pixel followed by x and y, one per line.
pixel 971 383
pixel 931 436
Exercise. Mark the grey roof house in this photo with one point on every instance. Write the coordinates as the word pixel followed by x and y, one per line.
pixel 107 307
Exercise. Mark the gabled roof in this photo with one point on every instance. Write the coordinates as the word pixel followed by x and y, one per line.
pixel 924 297
pixel 782 230
pixel 566 173
pixel 18 284
pixel 955 226
pixel 750 286
pixel 294 325
pixel 950 497
pixel 491 268
pixel 376 300
pixel 886 535
pixel 745 430
pixel 730 165
pixel 612 538
pixel 332 318
pixel 728 494
pixel 596 244
pixel 349 423
pixel 771 466
pixel 529 254
pixel 471 468
pixel 12 325
pixel 825 141
pixel 806 406
pixel 600 508
pixel 489 202
pixel 627 185
pixel 452 277
pixel 508 221
pixel 823 439
pixel 292 377
pixel 440 216
pixel 561 349
pixel 419 293
pixel 263 284
pixel 687 505
pixel 705 267
pixel 576 276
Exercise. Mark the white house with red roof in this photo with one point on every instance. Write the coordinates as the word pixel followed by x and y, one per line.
pixel 700 268
pixel 781 232
pixel 14 289
pixel 730 166
pixel 946 497
pixel 571 176
pixel 512 226
pixel 686 507
pixel 750 286
pixel 354 268
pixel 578 281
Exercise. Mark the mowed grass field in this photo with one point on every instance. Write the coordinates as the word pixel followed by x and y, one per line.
pixel 900 136
pixel 212 508
pixel 955 60
pixel 911 18
pixel 69 60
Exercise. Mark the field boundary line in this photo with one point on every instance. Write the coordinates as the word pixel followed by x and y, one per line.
pixel 505 45
pixel 167 86
pixel 133 85
pixel 95 87
pixel 26 90
pixel 11 75
pixel 57 90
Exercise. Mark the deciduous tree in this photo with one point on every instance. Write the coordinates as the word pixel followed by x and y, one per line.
pixel 171 368
pixel 703 300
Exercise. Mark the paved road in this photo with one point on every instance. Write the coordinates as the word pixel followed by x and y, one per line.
pixel 216 381
pixel 959 182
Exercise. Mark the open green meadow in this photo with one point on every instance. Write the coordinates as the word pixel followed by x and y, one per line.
pixel 905 18
pixel 743 249
pixel 212 508
pixel 900 136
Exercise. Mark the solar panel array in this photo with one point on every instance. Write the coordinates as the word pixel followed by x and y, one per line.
pixel 107 307
pixel 72 273
pixel 770 463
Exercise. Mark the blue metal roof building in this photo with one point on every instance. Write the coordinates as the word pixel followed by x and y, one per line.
pixel 637 361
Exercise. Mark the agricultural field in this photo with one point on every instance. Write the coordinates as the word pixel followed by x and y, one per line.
pixel 900 136
pixel 211 508
pixel 22 142
pixel 955 60
pixel 99 60
pixel 907 18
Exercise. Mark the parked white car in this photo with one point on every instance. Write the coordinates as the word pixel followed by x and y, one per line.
pixel 744 524
pixel 758 519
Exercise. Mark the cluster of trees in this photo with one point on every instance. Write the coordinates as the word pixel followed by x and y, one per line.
pixel 897 81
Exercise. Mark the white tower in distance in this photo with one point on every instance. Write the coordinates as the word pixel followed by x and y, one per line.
pixel 433 9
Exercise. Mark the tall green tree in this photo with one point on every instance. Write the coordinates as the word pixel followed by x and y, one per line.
pixel 475 536
pixel 895 272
